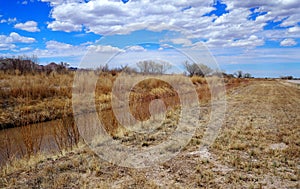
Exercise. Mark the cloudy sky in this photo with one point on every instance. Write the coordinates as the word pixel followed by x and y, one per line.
pixel 259 37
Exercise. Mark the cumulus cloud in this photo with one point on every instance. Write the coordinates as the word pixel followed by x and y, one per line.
pixel 59 49
pixel 136 48
pixel 295 29
pixel 8 42
pixel 58 45
pixel 183 41
pixel 5 46
pixel 30 26
pixel 114 17
pixel 9 20
pixel 251 41
pixel 277 10
pixel 237 28
pixel 64 26
pixel 107 17
pixel 25 49
pixel 103 49
pixel 15 38
pixel 288 42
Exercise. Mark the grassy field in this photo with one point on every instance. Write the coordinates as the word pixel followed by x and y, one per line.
pixel 258 145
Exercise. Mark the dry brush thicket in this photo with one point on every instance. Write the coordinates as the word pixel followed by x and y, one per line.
pixel 34 98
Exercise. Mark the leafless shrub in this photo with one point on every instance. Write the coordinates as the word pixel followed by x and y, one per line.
pixel 66 134
pixel 32 137
pixel 6 146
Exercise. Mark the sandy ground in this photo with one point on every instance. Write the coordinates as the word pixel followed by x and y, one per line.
pixel 258 147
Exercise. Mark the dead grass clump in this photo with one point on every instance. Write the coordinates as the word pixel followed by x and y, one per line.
pixel 198 80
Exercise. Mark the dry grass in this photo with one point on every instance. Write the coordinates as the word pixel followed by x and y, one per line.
pixel 35 98
pixel 42 97
pixel 39 97
pixel 240 157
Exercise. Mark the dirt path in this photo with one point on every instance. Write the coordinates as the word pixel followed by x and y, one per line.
pixel 258 146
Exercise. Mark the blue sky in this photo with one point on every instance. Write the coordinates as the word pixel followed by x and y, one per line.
pixel 262 38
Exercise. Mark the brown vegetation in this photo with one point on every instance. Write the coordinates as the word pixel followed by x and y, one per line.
pixel 34 98
pixel 257 147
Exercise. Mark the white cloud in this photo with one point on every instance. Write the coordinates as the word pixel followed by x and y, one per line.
pixel 233 29
pixel 30 26
pixel 5 46
pixel 57 45
pixel 288 42
pixel 114 17
pixel 9 20
pixel 15 38
pixel 250 42
pixel 59 49
pixel 8 42
pixel 257 57
pixel 136 48
pixel 55 49
pixel 64 26
pixel 59 2
pixel 213 42
pixel 103 49
pixel 279 35
pixel 107 17
pixel 278 10
pixel 183 41
pixel 25 49
pixel 295 29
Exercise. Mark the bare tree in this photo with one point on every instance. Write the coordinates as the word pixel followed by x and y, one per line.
pixel 154 67
pixel 163 67
pixel 144 66
pixel 197 69
pixel 238 74
pixel 247 75
pixel 127 69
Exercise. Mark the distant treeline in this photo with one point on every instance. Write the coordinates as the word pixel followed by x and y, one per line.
pixel 289 78
pixel 24 64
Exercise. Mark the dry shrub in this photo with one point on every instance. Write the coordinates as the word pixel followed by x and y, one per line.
pixel 7 146
pixel 66 134
pixel 32 137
